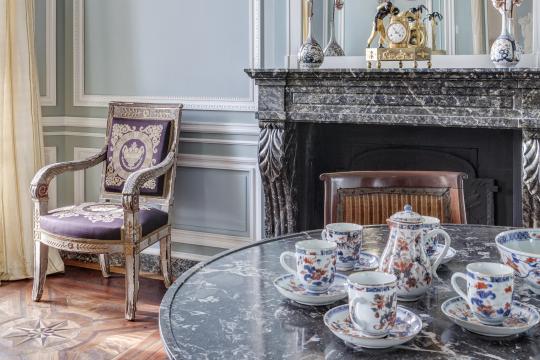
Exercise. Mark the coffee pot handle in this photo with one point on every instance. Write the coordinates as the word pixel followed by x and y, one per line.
pixel 456 287
pixel 447 242
pixel 283 260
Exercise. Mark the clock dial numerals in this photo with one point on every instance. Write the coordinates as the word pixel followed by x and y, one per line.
pixel 397 33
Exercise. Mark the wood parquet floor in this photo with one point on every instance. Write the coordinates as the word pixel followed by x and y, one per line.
pixel 81 317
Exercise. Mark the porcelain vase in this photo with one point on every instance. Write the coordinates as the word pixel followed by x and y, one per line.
pixel 310 55
pixel 505 51
pixel 333 48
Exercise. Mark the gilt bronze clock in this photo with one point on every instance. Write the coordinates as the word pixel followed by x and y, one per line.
pixel 402 39
pixel 397 32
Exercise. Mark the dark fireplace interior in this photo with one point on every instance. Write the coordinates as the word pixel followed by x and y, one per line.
pixel 490 158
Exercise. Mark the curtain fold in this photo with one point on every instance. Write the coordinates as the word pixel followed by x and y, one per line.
pixel 21 140
pixel 478 33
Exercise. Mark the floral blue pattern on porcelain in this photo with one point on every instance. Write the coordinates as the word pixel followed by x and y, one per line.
pixel 373 302
pixel 407 325
pixel 315 264
pixel 520 249
pixel 430 243
pixel 490 287
pixel 290 287
pixel 348 238
pixel 366 262
pixel 406 257
pixel 522 317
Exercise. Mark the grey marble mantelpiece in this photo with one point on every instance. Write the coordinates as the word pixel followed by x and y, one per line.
pixel 459 98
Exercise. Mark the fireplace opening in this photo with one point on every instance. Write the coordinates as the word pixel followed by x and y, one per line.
pixel 491 158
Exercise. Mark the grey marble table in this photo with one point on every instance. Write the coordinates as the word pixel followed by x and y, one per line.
pixel 229 309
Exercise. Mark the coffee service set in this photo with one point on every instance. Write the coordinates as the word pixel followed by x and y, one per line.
pixel 416 247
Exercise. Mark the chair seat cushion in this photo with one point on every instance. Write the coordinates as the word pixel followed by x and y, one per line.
pixel 98 221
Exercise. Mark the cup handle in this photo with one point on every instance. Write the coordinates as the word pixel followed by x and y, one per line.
pixel 456 287
pixel 283 260
pixel 353 311
pixel 323 234
pixel 447 242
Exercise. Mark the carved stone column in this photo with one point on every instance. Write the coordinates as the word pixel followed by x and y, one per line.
pixel 531 178
pixel 277 156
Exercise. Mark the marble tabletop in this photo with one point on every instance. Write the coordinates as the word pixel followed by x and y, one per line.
pixel 228 308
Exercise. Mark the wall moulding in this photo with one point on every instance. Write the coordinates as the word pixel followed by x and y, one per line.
pixel 189 127
pixel 79 177
pixel 49 99
pixel 80 98
pixel 51 158
pixel 235 164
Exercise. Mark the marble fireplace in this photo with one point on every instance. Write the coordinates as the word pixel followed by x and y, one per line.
pixel 484 122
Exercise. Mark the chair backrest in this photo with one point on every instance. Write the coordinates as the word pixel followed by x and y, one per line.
pixel 139 136
pixel 370 197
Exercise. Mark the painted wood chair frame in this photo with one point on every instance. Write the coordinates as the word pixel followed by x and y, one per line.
pixel 132 241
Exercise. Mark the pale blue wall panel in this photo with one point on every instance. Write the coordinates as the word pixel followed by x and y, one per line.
pixel 359 17
pixel 212 200
pixel 275 33
pixel 218 149
pixel 167 48
pixel 92 183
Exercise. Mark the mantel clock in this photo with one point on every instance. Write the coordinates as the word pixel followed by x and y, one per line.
pixel 402 39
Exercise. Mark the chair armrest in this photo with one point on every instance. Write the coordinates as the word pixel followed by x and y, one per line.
pixel 40 183
pixel 132 186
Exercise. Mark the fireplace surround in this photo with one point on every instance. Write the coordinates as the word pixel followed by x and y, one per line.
pixel 484 122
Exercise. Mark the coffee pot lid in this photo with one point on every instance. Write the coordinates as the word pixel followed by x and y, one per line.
pixel 407 216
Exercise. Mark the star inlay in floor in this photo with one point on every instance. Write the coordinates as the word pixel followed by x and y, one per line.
pixel 42 333
pixel 81 316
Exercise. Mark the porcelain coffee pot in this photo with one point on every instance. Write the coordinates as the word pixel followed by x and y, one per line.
pixel 406 257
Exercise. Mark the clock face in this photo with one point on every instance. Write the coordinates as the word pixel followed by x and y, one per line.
pixel 397 33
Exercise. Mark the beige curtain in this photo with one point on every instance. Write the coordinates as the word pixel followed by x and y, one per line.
pixel 478 37
pixel 21 144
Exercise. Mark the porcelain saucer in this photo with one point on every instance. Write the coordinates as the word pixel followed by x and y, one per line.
pixel 448 257
pixel 365 262
pixel 408 325
pixel 289 287
pixel 522 318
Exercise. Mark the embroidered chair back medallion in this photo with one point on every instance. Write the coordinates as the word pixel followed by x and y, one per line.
pixel 134 145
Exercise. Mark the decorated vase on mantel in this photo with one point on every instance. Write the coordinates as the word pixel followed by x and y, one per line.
pixel 505 51
pixel 333 48
pixel 310 55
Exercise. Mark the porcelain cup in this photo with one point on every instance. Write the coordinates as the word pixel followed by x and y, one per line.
pixel 430 223
pixel 489 291
pixel 373 302
pixel 348 238
pixel 315 264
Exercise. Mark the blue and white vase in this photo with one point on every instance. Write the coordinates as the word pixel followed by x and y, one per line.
pixel 311 54
pixel 505 51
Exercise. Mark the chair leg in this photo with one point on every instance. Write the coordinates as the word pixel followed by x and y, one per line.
pixel 105 265
pixel 41 262
pixel 165 254
pixel 132 285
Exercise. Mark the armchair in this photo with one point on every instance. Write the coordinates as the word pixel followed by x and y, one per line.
pixel 136 198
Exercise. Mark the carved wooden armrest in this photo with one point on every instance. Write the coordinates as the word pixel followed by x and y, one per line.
pixel 40 183
pixel 132 186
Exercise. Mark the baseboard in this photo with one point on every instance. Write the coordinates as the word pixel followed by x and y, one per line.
pixel 177 254
pixel 209 239
pixel 114 269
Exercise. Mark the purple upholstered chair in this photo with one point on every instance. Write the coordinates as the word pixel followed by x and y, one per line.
pixel 134 209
